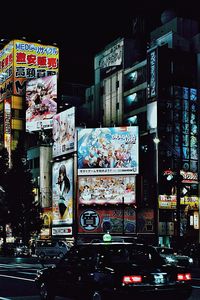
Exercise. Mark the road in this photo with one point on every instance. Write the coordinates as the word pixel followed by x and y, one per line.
pixel 17 279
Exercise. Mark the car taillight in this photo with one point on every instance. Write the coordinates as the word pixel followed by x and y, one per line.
pixel 184 277
pixel 132 279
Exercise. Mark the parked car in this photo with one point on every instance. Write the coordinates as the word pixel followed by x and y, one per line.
pixel 111 270
pixel 51 248
pixel 22 250
pixel 15 249
pixel 173 257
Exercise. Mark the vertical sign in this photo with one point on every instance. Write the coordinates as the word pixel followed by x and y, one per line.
pixel 152 74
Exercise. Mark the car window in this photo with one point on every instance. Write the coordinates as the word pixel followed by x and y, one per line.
pixel 165 250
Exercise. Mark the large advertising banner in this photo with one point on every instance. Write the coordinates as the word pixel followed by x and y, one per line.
pixel 104 151
pixel 64 132
pixel 32 60
pixel 116 220
pixel 41 99
pixel 6 71
pixel 62 198
pixel 107 189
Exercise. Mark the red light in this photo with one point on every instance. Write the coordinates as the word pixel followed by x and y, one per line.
pixel 132 279
pixel 184 277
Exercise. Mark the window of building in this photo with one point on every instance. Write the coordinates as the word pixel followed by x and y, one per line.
pixel 36 162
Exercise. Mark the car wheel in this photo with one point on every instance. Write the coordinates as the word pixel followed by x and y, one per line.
pixel 60 255
pixel 45 293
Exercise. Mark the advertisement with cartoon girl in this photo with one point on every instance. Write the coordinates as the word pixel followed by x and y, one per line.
pixel 64 132
pixel 104 151
pixel 41 100
pixel 62 192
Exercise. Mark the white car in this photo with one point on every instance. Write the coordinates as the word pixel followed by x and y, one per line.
pixel 51 248
pixel 173 257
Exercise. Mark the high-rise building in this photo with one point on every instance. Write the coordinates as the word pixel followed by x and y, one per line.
pixel 158 93
pixel 20 61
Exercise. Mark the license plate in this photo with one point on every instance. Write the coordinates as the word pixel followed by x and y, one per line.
pixel 159 279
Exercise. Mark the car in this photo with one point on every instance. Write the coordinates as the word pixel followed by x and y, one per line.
pixel 51 248
pixel 113 270
pixel 173 257
pixel 22 250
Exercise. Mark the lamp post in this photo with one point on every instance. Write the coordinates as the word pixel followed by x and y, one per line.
pixel 156 211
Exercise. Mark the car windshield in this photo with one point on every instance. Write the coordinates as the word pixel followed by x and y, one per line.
pixel 131 254
pixel 165 250
pixel 120 254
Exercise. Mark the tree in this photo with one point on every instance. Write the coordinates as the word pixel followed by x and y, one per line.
pixel 24 212
pixel 4 167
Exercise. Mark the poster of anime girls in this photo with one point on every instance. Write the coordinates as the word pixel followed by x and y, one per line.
pixel 107 189
pixel 41 100
pixel 104 151
pixel 62 198
pixel 64 132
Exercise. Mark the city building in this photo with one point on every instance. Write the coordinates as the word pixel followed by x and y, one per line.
pixel 158 93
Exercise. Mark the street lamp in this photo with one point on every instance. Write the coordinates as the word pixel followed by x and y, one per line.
pixel 156 141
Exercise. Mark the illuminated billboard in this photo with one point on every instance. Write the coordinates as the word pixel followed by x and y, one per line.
pixel 106 189
pixel 104 151
pixel 32 60
pixel 62 198
pixel 21 61
pixel 41 99
pixel 6 71
pixel 64 132
pixel 116 220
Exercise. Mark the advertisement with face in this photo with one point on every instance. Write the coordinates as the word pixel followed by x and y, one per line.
pixel 41 100
pixel 64 132
pixel 62 184
pixel 116 220
pixel 106 189
pixel 107 151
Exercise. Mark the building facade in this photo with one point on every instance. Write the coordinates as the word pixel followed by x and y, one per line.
pixel 159 93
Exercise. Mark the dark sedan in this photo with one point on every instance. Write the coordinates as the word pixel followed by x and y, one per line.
pixel 117 270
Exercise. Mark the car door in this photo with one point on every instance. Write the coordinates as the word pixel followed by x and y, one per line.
pixel 66 274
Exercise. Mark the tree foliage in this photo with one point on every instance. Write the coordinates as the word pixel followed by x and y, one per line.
pixel 4 167
pixel 24 212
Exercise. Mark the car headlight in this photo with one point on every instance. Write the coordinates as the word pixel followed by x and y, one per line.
pixel 191 260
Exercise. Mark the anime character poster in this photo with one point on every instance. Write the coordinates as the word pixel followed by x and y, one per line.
pixel 104 151
pixel 62 198
pixel 116 220
pixel 41 100
pixel 64 132
pixel 107 189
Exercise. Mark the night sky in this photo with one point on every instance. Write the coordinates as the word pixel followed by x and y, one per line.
pixel 82 28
